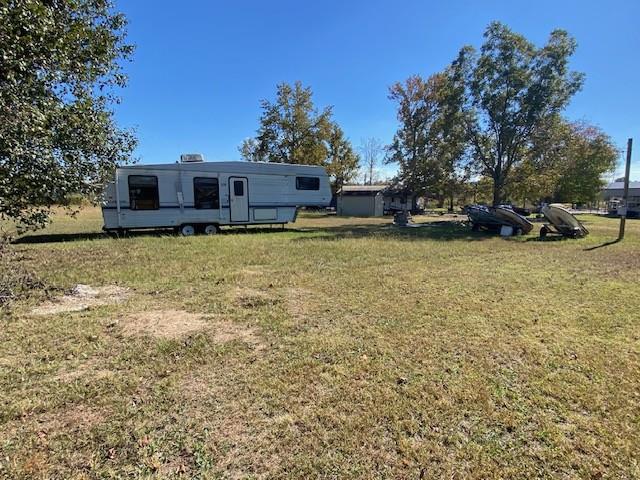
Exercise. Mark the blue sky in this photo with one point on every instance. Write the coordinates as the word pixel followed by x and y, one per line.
pixel 201 67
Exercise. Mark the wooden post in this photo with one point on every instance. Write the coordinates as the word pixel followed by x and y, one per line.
pixel 625 195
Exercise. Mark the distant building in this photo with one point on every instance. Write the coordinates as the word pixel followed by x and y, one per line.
pixel 613 193
pixel 373 200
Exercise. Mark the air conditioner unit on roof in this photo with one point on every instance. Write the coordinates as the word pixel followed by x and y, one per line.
pixel 191 157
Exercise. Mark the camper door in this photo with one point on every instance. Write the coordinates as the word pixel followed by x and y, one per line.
pixel 238 199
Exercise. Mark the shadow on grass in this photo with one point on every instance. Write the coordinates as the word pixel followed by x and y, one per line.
pixel 73 237
pixel 59 237
pixel 605 244
pixel 443 231
pixel 549 238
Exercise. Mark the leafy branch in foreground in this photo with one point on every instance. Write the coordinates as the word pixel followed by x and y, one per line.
pixel 60 63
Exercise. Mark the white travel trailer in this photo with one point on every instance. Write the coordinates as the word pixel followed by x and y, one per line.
pixel 194 196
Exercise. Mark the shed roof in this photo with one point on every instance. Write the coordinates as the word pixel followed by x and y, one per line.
pixel 361 190
pixel 365 190
pixel 620 185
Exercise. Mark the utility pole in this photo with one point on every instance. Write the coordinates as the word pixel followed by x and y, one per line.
pixel 625 195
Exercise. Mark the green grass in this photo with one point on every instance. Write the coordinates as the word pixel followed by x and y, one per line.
pixel 378 352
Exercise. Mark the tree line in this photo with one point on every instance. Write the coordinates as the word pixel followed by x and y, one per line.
pixel 493 118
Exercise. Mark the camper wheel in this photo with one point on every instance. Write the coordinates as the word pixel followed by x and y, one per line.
pixel 211 229
pixel 187 230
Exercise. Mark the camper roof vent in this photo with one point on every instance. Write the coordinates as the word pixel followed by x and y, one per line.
pixel 191 157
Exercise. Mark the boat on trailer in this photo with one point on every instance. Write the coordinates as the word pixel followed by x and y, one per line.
pixel 195 196
pixel 562 222
pixel 494 218
pixel 481 216
pixel 515 219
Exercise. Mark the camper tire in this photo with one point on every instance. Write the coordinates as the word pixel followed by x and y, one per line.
pixel 210 229
pixel 187 230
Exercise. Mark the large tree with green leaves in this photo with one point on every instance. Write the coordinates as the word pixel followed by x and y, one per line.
pixel 589 155
pixel 567 163
pixel 293 130
pixel 60 63
pixel 431 143
pixel 449 132
pixel 412 147
pixel 514 88
pixel 342 162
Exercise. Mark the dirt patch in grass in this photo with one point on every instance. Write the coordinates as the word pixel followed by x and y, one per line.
pixel 83 297
pixel 178 323
pixel 89 370
pixel 77 417
pixel 163 323
pixel 225 332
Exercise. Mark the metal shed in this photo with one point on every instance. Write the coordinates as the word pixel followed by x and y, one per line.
pixel 361 200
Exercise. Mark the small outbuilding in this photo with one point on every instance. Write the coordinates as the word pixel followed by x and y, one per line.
pixel 373 200
pixel 361 201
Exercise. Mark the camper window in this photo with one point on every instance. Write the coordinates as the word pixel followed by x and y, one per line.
pixel 307 183
pixel 205 193
pixel 238 188
pixel 143 192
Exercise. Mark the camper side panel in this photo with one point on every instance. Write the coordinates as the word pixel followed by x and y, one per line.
pixel 138 208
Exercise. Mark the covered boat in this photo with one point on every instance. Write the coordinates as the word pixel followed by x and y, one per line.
pixel 562 221
pixel 516 220
pixel 482 216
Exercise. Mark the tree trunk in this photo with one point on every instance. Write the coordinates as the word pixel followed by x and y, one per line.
pixel 497 192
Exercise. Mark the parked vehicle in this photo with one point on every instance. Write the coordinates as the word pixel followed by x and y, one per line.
pixel 196 196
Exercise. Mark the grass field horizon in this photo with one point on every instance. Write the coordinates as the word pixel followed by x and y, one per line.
pixel 337 348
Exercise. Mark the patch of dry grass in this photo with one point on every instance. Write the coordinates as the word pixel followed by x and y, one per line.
pixel 338 348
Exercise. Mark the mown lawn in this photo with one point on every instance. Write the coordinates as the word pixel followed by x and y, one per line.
pixel 339 348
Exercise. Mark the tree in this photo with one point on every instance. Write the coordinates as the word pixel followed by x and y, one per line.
pixel 566 163
pixel 514 88
pixel 292 130
pixel 449 131
pixel 431 144
pixel 411 147
pixel 60 63
pixel 250 150
pixel 588 156
pixel 343 162
pixel 371 149
pixel 536 176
